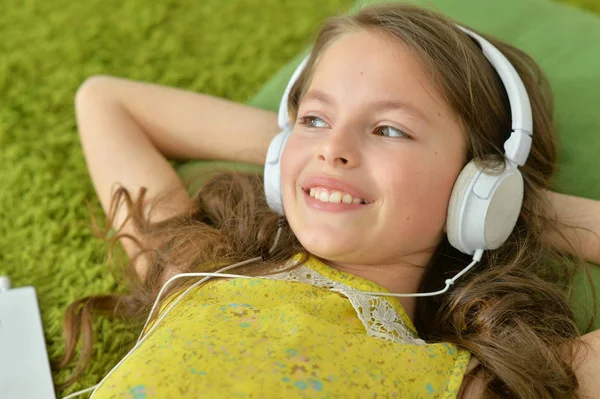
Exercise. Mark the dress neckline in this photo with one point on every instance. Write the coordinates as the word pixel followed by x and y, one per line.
pixel 382 316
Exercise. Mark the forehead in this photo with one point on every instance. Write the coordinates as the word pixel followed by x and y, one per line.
pixel 371 66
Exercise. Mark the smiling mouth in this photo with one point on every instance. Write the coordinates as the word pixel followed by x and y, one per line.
pixel 333 196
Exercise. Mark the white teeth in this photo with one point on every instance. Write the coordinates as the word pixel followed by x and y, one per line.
pixel 323 196
pixel 335 197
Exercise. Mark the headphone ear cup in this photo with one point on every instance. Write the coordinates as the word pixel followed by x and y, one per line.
pixel 457 198
pixel 484 208
pixel 272 173
pixel 503 208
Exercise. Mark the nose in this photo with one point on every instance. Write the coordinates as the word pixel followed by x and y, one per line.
pixel 339 149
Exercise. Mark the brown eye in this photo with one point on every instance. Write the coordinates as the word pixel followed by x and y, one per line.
pixel 391 132
pixel 310 121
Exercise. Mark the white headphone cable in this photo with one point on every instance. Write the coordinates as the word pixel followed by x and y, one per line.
pixel 207 276
pixel 476 258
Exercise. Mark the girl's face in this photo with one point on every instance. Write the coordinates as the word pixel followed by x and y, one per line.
pixel 371 125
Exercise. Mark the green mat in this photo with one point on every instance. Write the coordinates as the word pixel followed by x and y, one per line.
pixel 227 48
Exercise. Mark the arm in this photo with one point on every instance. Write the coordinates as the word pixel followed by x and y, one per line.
pixel 129 129
pixel 586 366
pixel 582 213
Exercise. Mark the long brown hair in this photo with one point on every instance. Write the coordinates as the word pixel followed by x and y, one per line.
pixel 511 312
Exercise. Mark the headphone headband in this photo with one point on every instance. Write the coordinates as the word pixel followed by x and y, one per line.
pixel 283 117
pixel 518 145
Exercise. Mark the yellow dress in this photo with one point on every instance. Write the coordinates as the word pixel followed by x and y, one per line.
pixel 302 334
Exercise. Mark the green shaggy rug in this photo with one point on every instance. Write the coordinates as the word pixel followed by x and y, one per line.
pixel 227 48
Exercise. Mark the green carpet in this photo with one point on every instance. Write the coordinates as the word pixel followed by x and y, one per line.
pixel 47 48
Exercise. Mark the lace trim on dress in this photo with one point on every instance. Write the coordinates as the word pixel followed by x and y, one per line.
pixel 377 315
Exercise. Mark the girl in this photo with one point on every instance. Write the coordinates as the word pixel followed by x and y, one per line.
pixel 307 328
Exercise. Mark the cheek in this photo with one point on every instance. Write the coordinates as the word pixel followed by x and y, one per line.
pixel 290 166
pixel 288 158
pixel 422 190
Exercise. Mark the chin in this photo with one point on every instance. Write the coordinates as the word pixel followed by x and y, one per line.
pixel 326 245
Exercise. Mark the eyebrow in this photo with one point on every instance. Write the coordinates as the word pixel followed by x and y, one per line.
pixel 381 105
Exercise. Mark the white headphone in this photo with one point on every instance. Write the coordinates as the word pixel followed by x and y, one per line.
pixel 483 207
